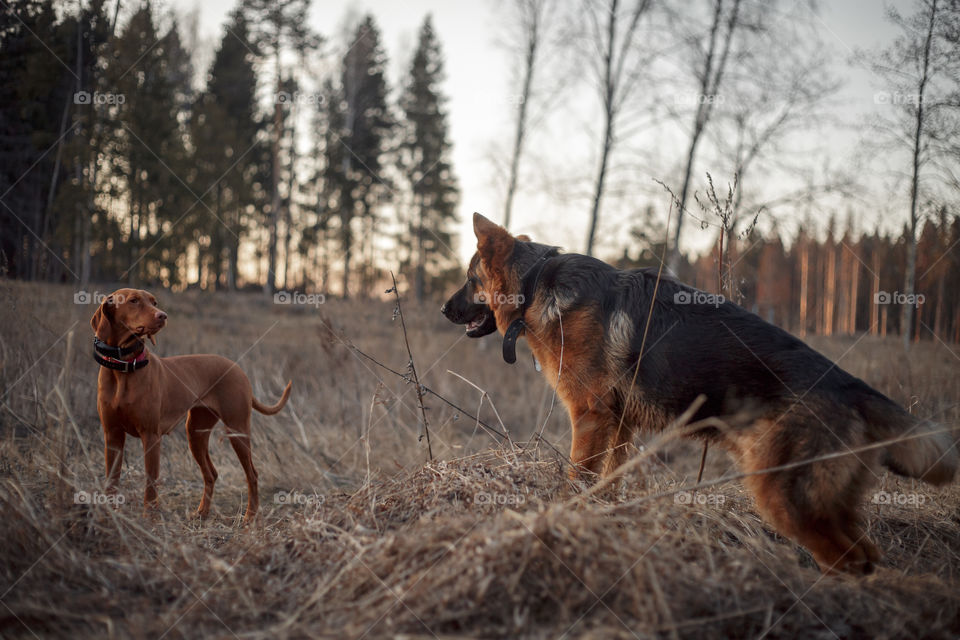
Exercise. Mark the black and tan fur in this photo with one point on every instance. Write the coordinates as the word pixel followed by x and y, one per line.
pixel 782 401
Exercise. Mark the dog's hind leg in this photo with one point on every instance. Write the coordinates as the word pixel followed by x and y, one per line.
pixel 200 423
pixel 813 504
pixel 238 430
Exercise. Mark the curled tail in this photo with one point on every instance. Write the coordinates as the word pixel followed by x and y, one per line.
pixel 926 450
pixel 269 411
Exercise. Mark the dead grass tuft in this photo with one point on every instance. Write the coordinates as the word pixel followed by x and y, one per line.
pixel 360 537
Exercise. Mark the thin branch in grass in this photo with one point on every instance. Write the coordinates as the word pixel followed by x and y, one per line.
pixel 485 395
pixel 411 366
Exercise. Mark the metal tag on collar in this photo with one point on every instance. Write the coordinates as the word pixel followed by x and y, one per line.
pixel 510 340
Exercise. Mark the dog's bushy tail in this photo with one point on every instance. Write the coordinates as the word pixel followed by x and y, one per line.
pixel 268 410
pixel 923 450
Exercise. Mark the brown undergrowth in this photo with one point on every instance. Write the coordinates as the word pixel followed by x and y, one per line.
pixel 361 536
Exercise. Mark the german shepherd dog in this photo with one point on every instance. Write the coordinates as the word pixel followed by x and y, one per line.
pixel 779 402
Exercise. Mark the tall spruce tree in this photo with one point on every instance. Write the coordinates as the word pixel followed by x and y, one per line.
pixel 225 130
pixel 278 26
pixel 82 217
pixel 147 144
pixel 36 102
pixel 335 196
pixel 362 125
pixel 425 151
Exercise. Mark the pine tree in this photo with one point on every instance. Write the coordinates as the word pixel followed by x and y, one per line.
pixel 277 26
pixel 225 130
pixel 83 219
pixel 147 145
pixel 360 125
pixel 425 160
pixel 36 100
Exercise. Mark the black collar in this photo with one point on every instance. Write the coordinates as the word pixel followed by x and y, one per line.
pixel 528 289
pixel 104 349
pixel 113 357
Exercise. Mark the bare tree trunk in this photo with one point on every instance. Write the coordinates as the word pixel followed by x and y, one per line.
pixel 615 89
pixel 347 251
pixel 804 285
pixel 831 288
pixel 909 277
pixel 609 89
pixel 535 8
pixel 598 190
pixel 271 281
pixel 854 291
pixel 232 263
pixel 285 245
pixel 421 281
pixel 874 290
pixel 710 80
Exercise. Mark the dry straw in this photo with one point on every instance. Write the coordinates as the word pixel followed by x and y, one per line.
pixel 488 540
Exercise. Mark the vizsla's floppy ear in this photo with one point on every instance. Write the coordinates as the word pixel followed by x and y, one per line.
pixel 102 319
pixel 492 239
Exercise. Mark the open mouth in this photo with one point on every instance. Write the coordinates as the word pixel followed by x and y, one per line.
pixel 482 324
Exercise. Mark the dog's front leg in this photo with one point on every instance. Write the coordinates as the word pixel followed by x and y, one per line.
pixel 151 463
pixel 592 429
pixel 113 441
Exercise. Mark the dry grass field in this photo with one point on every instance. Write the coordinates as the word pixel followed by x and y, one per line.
pixel 360 536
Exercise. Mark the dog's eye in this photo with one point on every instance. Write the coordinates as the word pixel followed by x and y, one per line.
pixel 134 300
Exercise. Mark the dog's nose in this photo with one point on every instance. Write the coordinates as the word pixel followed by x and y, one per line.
pixel 161 315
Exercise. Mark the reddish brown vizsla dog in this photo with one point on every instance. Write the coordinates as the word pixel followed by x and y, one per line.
pixel 148 397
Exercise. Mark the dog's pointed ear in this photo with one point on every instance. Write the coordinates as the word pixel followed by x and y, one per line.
pixel 102 319
pixel 492 239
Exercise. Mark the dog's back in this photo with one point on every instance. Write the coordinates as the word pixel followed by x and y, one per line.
pixel 698 343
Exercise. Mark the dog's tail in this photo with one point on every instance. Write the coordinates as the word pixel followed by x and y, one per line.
pixel 269 411
pixel 923 449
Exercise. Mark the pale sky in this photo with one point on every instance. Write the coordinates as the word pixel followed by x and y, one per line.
pixel 479 91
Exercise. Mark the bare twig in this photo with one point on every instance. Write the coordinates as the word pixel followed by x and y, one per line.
pixel 486 426
pixel 485 395
pixel 412 367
